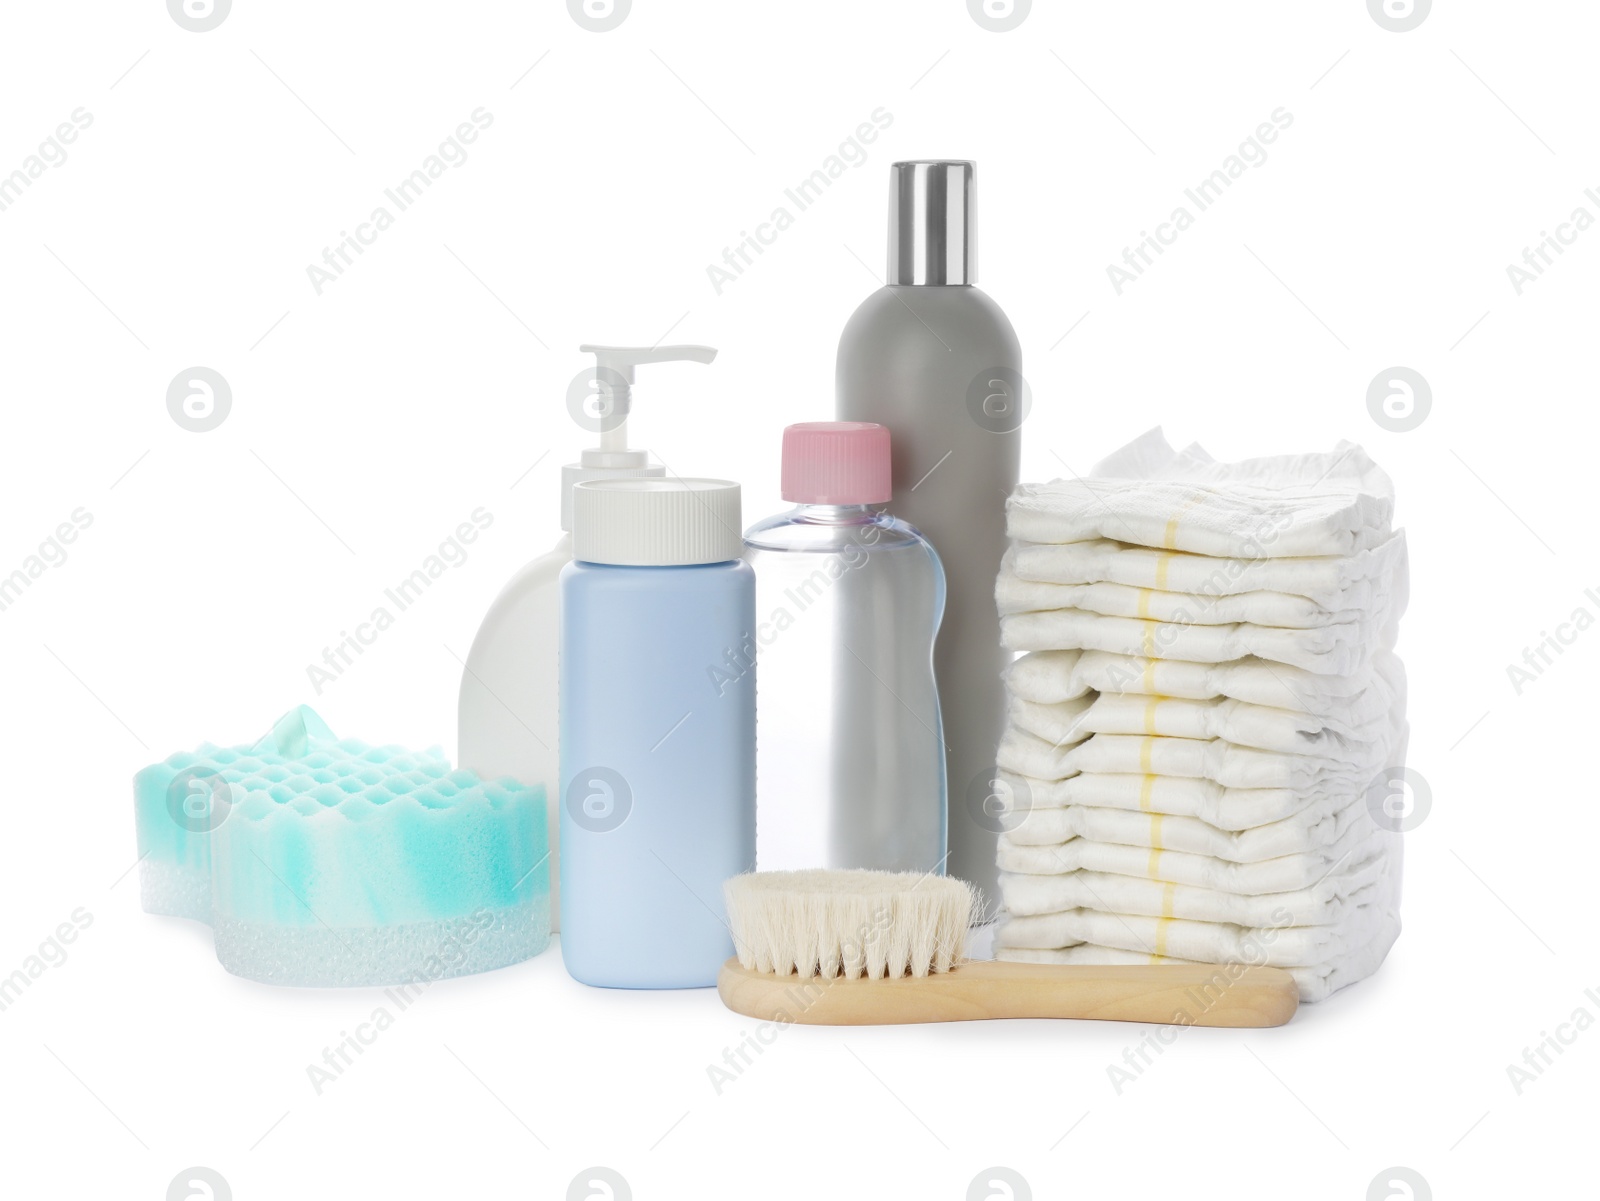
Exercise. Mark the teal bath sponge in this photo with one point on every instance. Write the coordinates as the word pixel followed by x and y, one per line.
pixel 324 861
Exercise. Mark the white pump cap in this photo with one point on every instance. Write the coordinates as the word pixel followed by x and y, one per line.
pixel 656 522
pixel 612 375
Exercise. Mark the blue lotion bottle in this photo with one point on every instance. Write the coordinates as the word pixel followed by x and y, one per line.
pixel 658 729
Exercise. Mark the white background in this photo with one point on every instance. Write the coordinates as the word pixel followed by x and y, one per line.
pixel 370 420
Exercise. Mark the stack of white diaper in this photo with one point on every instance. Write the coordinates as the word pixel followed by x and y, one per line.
pixel 1207 702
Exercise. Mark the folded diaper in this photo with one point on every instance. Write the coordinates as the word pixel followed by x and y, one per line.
pixel 1277 942
pixel 1062 725
pixel 1233 721
pixel 1357 718
pixel 1058 675
pixel 1339 503
pixel 1327 902
pixel 1317 982
pixel 330 862
pixel 1285 873
pixel 1229 809
pixel 1312 828
pixel 1331 584
pixel 1233 766
pixel 1014 594
pixel 1340 649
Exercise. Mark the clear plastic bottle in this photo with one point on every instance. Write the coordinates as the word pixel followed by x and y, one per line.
pixel 850 756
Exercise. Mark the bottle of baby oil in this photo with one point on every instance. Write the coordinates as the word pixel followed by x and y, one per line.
pixel 850 756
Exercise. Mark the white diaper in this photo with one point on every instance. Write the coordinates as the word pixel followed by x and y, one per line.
pixel 1330 901
pixel 1051 676
pixel 1317 982
pixel 1342 649
pixel 1331 584
pixel 1312 828
pixel 1285 873
pixel 1048 677
pixel 1275 942
pixel 1338 503
pixel 1013 594
pixel 1210 802
pixel 1027 754
pixel 1234 721
pixel 1016 593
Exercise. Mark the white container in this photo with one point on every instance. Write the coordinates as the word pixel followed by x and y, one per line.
pixel 509 716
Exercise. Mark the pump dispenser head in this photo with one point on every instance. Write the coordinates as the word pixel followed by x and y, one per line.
pixel 932 230
pixel 611 403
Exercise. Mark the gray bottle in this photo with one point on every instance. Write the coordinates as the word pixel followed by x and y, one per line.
pixel 935 360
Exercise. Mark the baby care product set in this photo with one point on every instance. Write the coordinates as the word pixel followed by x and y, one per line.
pixel 799 760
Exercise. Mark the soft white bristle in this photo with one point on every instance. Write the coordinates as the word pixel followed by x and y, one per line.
pixel 849 923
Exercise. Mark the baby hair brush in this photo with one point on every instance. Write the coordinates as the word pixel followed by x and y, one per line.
pixel 862 948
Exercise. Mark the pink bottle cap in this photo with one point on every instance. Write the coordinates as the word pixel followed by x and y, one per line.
pixel 836 463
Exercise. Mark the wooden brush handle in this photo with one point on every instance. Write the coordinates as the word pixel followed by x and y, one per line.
pixel 1190 995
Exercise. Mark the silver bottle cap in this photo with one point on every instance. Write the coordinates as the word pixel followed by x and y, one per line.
pixel 932 230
